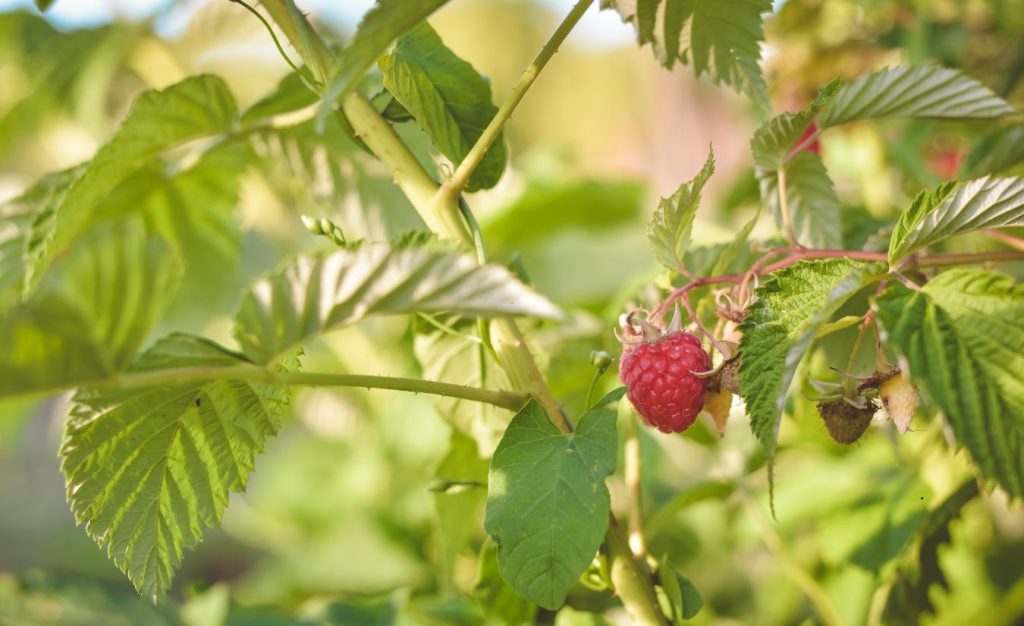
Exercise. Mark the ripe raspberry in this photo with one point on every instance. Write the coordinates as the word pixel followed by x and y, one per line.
pixel 661 382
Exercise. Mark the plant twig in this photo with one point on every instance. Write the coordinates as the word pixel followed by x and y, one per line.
pixel 1004 237
pixel 787 222
pixel 452 189
pixel 156 378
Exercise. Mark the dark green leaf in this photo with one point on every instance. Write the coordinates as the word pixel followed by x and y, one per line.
pixel 450 100
pixel 963 341
pixel 921 91
pixel 383 23
pixel 149 470
pixel 547 503
pixel 682 598
pixel 313 295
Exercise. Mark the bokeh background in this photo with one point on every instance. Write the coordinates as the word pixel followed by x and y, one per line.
pixel 338 525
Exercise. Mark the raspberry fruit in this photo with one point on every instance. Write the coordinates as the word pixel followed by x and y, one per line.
pixel 845 422
pixel 661 380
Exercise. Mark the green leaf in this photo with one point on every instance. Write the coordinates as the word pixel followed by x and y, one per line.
pixel 450 100
pixel 568 616
pixel 963 341
pixel 735 248
pixel 199 106
pixel 668 232
pixel 810 197
pixel 810 200
pixel 719 39
pixel 954 209
pixel 458 511
pixel 448 350
pixel 683 599
pixel 383 23
pixel 313 295
pixel 148 470
pixel 43 5
pixel 88 319
pixel 920 91
pixel 23 217
pixel 547 503
pixel 998 150
pixel 790 309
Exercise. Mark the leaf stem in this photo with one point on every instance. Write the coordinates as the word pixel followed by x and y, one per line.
pixel 787 222
pixel 452 188
pixel 154 378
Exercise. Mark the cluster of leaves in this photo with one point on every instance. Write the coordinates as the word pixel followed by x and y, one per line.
pixel 161 432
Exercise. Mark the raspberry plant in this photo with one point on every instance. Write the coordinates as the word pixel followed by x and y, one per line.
pixel 164 425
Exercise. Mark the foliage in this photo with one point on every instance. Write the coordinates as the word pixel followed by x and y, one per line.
pixel 236 272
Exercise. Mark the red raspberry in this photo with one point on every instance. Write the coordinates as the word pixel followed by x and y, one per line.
pixel 814 146
pixel 661 382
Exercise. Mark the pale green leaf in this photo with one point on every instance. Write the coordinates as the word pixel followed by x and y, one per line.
pixel 199 106
pixel 668 232
pixel 568 616
pixel 23 217
pixel 90 316
pixel 449 351
pixel 313 295
pixel 811 201
pixel 383 23
pixel 735 248
pixel 790 309
pixel 458 510
pixel 914 91
pixel 998 150
pixel 149 470
pixel 547 503
pixel 449 99
pixel 963 339
pixel 956 209
pixel 722 40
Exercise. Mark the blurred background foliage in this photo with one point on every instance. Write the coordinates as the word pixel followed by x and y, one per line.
pixel 339 525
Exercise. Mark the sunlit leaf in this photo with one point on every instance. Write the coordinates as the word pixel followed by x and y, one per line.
pixel 148 470
pixel 668 232
pixel 313 295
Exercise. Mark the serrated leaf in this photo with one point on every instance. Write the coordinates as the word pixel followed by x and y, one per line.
pixel 313 295
pixel 199 106
pixel 719 39
pixel 914 91
pixel 779 326
pixel 383 23
pixel 735 248
pixel 963 340
pixel 23 217
pixel 449 99
pixel 87 320
pixel 954 209
pixel 811 200
pixel 149 470
pixel 998 150
pixel 668 232
pixel 547 503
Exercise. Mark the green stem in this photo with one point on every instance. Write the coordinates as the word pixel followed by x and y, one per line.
pixel 173 376
pixel 632 579
pixel 787 222
pixel 452 189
